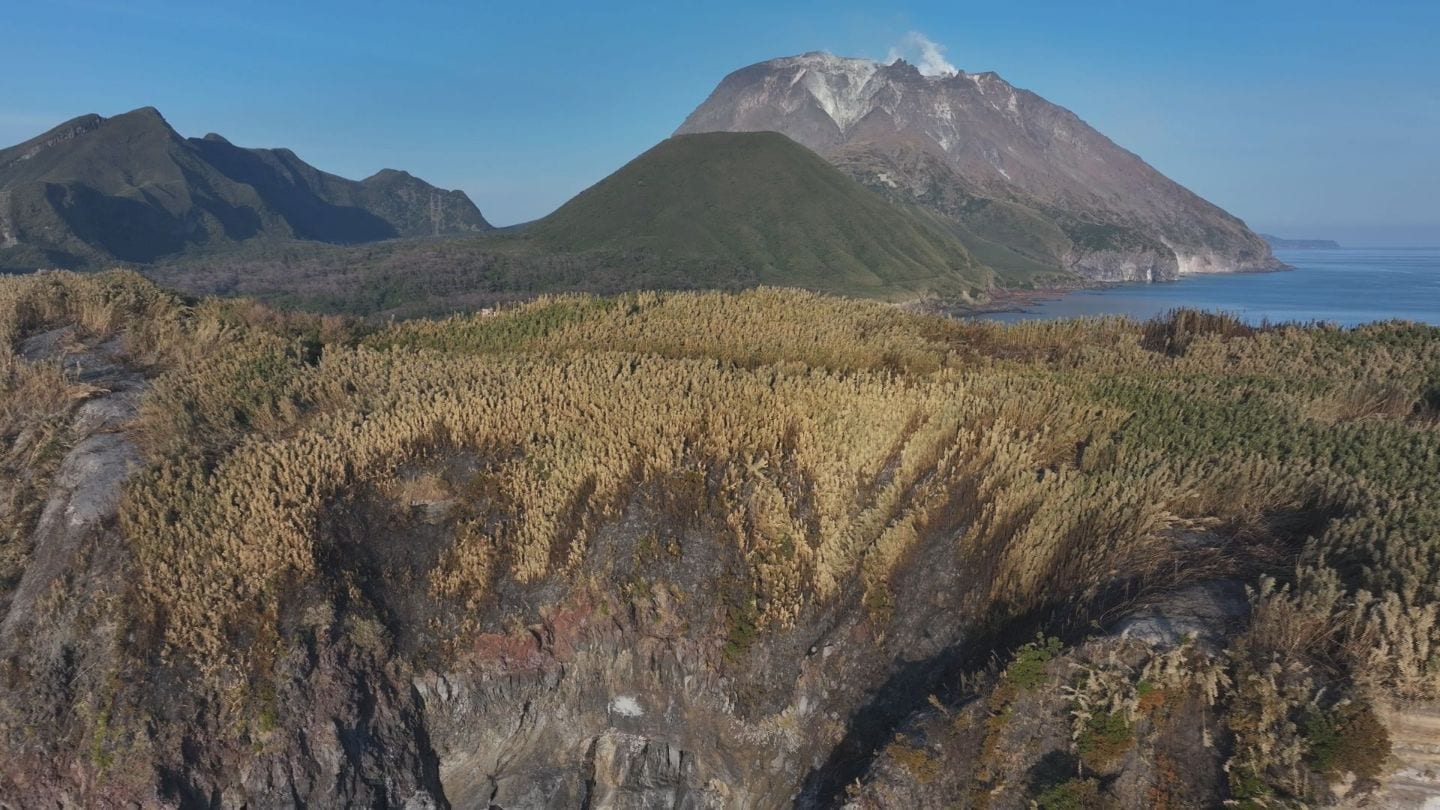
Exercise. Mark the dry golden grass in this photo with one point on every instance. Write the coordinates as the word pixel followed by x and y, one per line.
pixel 829 437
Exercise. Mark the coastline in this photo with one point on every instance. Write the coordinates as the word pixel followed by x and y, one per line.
pixel 1022 300
pixel 1336 286
pixel 1014 300
pixel 1002 300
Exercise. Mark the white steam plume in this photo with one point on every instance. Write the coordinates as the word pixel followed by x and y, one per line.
pixel 925 54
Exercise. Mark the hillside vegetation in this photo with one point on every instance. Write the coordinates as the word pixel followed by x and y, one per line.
pixel 732 471
pixel 428 277
pixel 762 201
pixel 718 211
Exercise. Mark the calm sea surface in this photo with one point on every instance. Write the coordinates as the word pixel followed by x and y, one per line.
pixel 1346 287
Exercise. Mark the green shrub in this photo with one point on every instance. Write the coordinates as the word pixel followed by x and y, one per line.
pixel 1346 739
pixel 1027 669
pixel 742 618
pixel 1248 790
pixel 1106 738
pixel 918 760
pixel 1072 794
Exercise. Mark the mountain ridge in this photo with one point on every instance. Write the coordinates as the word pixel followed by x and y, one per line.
pixel 95 191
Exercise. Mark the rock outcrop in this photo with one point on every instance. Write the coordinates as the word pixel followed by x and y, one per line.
pixel 1414 781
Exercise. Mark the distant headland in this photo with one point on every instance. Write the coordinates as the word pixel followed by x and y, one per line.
pixel 1277 243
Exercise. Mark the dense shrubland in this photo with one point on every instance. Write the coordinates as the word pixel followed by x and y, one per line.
pixel 426 277
pixel 828 438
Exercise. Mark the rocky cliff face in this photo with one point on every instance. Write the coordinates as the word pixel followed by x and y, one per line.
pixel 954 141
pixel 94 191
pixel 604 701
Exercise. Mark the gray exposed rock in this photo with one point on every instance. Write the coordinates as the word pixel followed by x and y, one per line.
pixel 85 493
pixel 1207 611
pixel 1414 781
pixel 631 772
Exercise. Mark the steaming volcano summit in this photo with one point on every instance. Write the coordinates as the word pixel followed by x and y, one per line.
pixel 1030 187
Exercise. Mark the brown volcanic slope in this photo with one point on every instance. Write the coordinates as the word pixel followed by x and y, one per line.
pixel 1030 187
pixel 94 191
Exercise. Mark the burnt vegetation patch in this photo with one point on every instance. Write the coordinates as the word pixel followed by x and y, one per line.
pixel 1173 333
pixel 1427 406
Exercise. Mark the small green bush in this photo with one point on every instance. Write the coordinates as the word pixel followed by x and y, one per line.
pixel 1106 738
pixel 1346 739
pixel 743 628
pixel 918 760
pixel 1027 670
pixel 1072 794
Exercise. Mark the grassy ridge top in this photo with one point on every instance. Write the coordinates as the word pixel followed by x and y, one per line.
pixel 763 202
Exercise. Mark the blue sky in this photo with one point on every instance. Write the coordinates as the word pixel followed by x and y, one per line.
pixel 1304 118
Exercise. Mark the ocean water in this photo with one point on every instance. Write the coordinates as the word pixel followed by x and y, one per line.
pixel 1346 287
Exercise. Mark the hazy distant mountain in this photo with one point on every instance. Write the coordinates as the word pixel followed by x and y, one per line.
pixel 1280 243
pixel 759 206
pixel 1029 186
pixel 129 188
